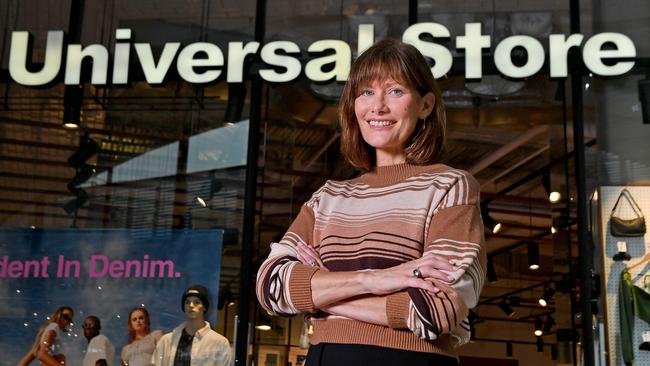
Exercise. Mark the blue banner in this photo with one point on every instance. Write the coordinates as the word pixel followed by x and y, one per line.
pixel 105 273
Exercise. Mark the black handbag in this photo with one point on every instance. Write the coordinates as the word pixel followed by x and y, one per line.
pixel 627 228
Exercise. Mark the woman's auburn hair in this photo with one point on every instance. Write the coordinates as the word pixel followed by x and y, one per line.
pixel 147 321
pixel 403 63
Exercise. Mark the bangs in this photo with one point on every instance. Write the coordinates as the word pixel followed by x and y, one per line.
pixel 379 66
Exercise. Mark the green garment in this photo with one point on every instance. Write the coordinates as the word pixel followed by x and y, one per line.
pixel 632 301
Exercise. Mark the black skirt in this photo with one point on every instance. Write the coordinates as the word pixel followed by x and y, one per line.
pixel 334 354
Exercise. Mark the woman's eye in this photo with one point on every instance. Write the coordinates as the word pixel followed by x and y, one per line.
pixel 366 93
pixel 396 91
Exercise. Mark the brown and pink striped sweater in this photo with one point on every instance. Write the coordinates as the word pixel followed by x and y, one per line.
pixel 383 218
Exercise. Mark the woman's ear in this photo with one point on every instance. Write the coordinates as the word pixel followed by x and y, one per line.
pixel 427 104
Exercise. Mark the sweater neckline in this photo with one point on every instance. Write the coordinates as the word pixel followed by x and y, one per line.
pixel 390 174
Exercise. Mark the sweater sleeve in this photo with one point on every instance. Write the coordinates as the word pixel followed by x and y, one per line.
pixel 455 233
pixel 283 283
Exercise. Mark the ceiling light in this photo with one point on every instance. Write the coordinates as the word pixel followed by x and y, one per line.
pixel 553 230
pixel 493 225
pixel 554 197
pixel 533 256
pixel 538 327
pixel 226 298
pixel 72 100
pixel 546 297
pixel 496 228
pixel 201 201
pixel 546 181
pixel 503 305
pixel 264 323
pixel 542 301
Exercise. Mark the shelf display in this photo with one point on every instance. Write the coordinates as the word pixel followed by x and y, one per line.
pixel 622 258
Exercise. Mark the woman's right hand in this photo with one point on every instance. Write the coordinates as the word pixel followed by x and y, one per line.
pixel 309 256
pixel 400 277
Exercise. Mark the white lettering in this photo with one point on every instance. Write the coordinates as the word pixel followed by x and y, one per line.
pixel 342 58
pixel 534 51
pixel 291 64
pixel 473 42
pixel 365 38
pixel 75 57
pixel 593 54
pixel 18 58
pixel 121 59
pixel 559 47
pixel 155 74
pixel 187 61
pixel 236 55
pixel 606 54
pixel 440 55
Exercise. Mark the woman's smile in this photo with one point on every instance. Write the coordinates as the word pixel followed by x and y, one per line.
pixel 381 123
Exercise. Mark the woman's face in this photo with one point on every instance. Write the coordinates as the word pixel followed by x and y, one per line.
pixel 387 113
pixel 65 319
pixel 138 321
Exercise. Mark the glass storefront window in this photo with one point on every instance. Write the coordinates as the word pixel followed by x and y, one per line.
pixel 162 162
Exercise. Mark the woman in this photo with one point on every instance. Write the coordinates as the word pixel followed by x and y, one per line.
pixel 386 264
pixel 142 342
pixel 47 347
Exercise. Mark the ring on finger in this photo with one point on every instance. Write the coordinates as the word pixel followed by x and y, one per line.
pixel 417 273
pixel 312 263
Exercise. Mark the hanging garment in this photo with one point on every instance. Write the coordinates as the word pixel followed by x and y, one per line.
pixel 632 301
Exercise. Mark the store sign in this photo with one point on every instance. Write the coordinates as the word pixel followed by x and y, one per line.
pixel 605 54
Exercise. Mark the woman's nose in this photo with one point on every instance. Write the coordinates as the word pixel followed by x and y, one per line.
pixel 379 104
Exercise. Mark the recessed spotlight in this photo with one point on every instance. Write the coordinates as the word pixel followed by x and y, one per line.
pixel 554 197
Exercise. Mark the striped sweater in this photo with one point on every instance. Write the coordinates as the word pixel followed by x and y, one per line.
pixel 388 216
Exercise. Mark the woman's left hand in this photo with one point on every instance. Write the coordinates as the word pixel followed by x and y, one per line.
pixel 309 256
